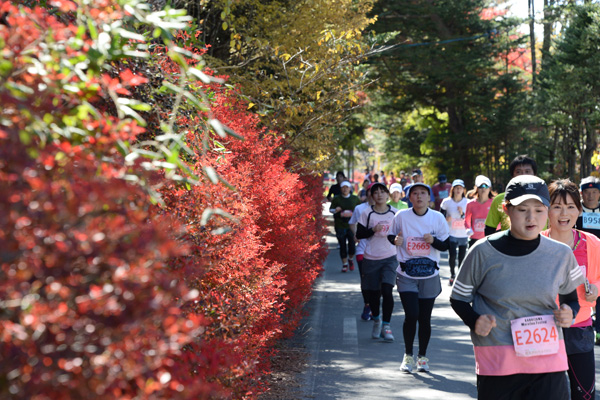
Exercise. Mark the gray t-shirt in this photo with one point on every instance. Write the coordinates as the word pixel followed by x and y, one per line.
pixel 510 287
pixel 513 287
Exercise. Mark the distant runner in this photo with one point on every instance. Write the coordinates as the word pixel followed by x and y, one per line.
pixel 478 209
pixel 342 208
pixel 379 262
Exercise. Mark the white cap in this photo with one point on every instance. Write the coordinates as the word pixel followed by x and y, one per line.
pixel 480 180
pixel 345 183
pixel 458 182
pixel 396 187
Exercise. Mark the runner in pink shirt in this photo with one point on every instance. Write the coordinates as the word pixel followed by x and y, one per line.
pixel 478 208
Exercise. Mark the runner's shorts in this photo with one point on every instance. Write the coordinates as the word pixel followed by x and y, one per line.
pixel 428 288
pixel 376 272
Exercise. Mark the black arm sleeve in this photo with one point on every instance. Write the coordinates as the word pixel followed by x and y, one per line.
pixel 362 232
pixel 489 230
pixel 392 239
pixel 443 212
pixel 570 300
pixel 439 245
pixel 465 312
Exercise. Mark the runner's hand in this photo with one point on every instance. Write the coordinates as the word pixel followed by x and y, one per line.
pixel 563 316
pixel 399 239
pixel 338 209
pixel 377 228
pixel 428 238
pixel 593 294
pixel 484 324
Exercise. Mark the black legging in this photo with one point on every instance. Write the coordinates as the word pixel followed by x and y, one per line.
pixel 582 376
pixel 462 250
pixel 416 310
pixel 364 292
pixel 345 238
pixel 388 301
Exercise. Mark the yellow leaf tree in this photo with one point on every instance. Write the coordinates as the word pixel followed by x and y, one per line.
pixel 294 60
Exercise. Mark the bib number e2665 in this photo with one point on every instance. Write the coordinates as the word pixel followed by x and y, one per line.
pixel 416 246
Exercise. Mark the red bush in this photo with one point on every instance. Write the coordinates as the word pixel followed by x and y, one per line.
pixel 259 274
pixel 102 293
pixel 88 307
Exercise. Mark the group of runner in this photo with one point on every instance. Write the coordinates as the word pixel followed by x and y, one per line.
pixel 526 287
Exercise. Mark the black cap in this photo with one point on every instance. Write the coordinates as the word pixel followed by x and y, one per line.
pixel 442 178
pixel 525 187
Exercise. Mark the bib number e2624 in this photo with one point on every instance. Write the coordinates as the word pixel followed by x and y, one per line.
pixel 534 336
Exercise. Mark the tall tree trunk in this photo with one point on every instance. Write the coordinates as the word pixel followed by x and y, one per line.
pixel 591 143
pixel 548 28
pixel 532 42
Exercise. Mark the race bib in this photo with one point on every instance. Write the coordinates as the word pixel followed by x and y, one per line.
pixel 416 246
pixel 591 220
pixel 458 224
pixel 443 194
pixel 534 336
pixel 346 213
pixel 479 225
pixel 384 231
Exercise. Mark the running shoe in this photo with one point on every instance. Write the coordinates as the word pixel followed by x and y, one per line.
pixel 451 281
pixel 344 268
pixel 386 333
pixel 422 364
pixel 366 314
pixel 376 328
pixel 351 264
pixel 408 364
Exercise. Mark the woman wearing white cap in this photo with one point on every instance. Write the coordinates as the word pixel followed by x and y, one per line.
pixel 478 209
pixel 396 196
pixel 420 234
pixel 454 208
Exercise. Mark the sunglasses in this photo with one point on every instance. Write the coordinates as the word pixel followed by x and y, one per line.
pixel 484 186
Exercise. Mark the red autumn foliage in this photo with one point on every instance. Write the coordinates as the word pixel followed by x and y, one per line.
pixel 103 294
pixel 259 274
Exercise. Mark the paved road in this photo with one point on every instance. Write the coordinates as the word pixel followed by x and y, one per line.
pixel 347 364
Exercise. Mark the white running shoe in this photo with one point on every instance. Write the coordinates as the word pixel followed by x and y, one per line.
pixel 408 364
pixel 386 333
pixel 376 328
pixel 422 364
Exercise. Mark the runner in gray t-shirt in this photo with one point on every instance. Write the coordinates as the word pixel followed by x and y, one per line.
pixel 506 293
